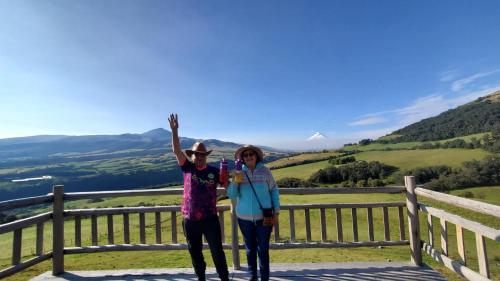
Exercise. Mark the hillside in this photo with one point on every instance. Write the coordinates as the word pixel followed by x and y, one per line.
pixel 97 162
pixel 479 116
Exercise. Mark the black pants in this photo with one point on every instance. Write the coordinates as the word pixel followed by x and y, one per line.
pixel 210 227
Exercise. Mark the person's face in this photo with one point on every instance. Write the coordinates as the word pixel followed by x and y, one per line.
pixel 249 157
pixel 199 159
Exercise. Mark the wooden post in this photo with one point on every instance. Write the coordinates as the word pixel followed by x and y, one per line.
pixel 444 236
pixel 78 231
pixel 323 224
pixel 111 236
pixel 482 257
pixel 430 229
pixel 369 218
pixel 222 228
pixel 354 225
pixel 338 216
pixel 308 225
pixel 173 221
pixel 93 229
pixel 402 235
pixel 142 228
pixel 39 238
pixel 413 221
pixel 158 227
pixel 387 234
pixel 460 243
pixel 235 244
pixel 58 230
pixel 292 225
pixel 16 246
pixel 126 229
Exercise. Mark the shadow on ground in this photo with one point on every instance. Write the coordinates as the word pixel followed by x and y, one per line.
pixel 279 272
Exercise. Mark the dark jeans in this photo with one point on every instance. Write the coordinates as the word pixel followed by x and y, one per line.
pixel 256 243
pixel 210 227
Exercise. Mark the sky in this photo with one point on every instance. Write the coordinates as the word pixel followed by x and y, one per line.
pixel 262 72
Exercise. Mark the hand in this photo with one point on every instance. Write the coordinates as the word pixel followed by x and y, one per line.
pixel 174 122
pixel 276 219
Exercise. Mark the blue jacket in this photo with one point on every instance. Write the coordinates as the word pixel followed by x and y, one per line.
pixel 247 207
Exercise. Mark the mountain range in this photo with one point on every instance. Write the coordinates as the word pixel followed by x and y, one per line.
pixel 97 161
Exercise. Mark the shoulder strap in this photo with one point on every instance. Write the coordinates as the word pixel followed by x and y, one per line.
pixel 255 193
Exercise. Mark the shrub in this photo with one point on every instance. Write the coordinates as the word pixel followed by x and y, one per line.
pixel 352 172
pixel 292 182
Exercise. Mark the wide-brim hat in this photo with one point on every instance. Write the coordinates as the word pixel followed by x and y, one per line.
pixel 198 147
pixel 258 151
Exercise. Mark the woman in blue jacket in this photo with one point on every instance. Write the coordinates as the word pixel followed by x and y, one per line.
pixel 249 211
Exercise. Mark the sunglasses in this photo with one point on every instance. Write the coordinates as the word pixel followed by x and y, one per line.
pixel 249 154
pixel 200 154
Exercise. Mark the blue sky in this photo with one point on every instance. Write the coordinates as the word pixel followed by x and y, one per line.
pixel 263 72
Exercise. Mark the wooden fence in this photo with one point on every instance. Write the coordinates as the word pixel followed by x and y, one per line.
pixel 58 215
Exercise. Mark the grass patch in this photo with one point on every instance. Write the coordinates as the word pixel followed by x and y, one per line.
pixel 301 157
pixel 301 171
pixel 409 159
pixel 405 145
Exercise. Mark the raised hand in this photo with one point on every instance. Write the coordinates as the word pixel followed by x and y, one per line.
pixel 174 123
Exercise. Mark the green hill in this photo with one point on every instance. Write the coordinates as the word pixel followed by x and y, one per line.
pixel 479 116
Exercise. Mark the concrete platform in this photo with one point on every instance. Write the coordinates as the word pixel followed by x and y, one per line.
pixel 279 272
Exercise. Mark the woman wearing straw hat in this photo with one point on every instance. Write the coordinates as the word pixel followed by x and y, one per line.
pixel 199 204
pixel 257 207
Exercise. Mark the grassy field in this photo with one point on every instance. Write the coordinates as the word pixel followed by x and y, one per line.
pixel 301 157
pixel 405 145
pixel 408 159
pixel 301 171
pixel 382 146
pixel 403 159
pixel 126 260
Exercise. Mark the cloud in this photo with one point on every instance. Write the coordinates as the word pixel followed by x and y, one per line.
pixel 458 85
pixel 417 110
pixel 421 108
pixel 369 121
pixel 373 134
pixel 448 75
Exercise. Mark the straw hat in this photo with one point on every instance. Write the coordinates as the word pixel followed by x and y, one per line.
pixel 258 151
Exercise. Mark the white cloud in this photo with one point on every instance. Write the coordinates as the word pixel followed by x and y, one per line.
pixel 461 83
pixel 417 110
pixel 373 134
pixel 421 108
pixel 368 121
pixel 448 75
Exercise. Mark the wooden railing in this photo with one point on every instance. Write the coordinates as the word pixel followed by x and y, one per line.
pixel 343 239
pixel 480 231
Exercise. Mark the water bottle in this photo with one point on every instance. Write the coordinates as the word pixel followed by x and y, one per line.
pixel 238 174
pixel 224 174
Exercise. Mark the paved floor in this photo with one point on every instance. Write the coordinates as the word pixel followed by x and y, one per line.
pixel 279 272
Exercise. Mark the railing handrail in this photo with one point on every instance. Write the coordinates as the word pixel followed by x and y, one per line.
pixel 177 208
pixel 29 201
pixel 22 223
pixel 25 202
pixel 58 213
pixel 221 191
pixel 473 205
pixel 486 231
